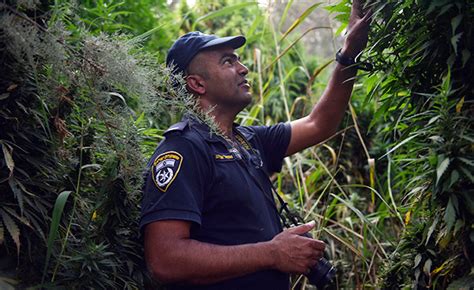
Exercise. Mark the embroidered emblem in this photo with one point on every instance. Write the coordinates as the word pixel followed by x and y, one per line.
pixel 165 169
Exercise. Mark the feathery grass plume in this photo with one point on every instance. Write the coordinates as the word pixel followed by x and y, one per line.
pixel 111 62
pixel 172 93
pixel 84 88
pixel 123 65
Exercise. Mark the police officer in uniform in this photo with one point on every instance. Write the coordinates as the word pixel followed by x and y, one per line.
pixel 208 215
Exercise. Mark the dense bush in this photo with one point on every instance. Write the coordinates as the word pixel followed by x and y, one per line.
pixel 70 152
pixel 424 53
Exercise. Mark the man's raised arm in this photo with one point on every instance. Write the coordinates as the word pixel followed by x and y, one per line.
pixel 326 115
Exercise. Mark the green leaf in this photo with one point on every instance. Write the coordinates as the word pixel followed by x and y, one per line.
pixel 466 54
pixel 399 145
pixel 285 13
pixel 300 19
pixel 417 260
pixel 468 138
pixel 466 161
pixel 341 7
pixel 341 29
pixel 431 230
pixel 119 96
pixel 458 225
pixel 14 214
pixel 436 3
pixel 53 231
pixel 442 166
pixel 454 178
pixel 350 205
pixel 16 187
pixel 444 9
pixel 12 229
pixel 4 96
pixel 144 36
pixel 451 60
pixel 468 201
pixel 427 267
pixel 450 214
pixel 2 234
pixel 454 41
pixel 95 166
pixel 467 173
pixel 455 23
pixel 221 12
pixel 8 158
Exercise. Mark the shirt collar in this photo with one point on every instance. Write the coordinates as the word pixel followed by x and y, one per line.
pixel 204 130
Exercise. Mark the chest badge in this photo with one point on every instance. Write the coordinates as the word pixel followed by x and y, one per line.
pixel 165 169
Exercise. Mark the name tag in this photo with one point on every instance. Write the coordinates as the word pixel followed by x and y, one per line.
pixel 224 157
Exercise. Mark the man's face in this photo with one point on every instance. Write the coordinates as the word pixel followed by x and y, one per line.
pixel 223 77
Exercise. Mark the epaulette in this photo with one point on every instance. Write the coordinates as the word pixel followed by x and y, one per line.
pixel 178 127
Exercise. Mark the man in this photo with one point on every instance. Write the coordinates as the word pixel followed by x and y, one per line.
pixel 208 214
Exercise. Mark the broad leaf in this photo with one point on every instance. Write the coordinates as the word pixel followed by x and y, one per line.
pixel 431 230
pixel 8 157
pixel 53 230
pixel 417 260
pixel 454 41
pixel 442 166
pixel 12 229
pixel 300 19
pixel 427 267
pixel 455 23
pixel 450 214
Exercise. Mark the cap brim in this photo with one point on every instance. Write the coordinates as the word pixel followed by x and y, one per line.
pixel 232 41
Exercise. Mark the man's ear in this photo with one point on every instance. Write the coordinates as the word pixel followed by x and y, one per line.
pixel 196 84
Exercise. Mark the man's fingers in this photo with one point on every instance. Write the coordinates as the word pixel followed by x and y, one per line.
pixel 318 245
pixel 368 15
pixel 357 8
pixel 301 229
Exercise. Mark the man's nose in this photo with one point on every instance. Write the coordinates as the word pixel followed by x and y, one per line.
pixel 243 70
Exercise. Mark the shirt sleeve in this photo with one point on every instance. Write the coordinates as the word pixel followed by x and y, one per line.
pixel 175 182
pixel 274 141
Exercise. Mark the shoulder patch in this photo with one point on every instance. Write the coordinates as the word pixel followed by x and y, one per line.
pixel 178 127
pixel 165 168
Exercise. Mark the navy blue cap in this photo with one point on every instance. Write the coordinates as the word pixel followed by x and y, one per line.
pixel 185 48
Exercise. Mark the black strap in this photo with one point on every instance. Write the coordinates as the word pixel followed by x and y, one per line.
pixel 355 62
pixel 288 217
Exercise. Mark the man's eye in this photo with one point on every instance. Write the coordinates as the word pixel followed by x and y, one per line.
pixel 229 61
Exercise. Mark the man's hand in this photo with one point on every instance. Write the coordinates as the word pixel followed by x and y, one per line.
pixel 357 34
pixel 295 253
pixel 326 115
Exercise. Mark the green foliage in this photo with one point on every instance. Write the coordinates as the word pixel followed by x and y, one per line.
pixel 131 17
pixel 68 126
pixel 423 51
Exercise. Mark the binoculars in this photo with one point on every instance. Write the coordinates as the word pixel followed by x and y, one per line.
pixel 322 273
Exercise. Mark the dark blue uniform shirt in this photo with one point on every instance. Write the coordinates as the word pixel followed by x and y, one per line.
pixel 226 193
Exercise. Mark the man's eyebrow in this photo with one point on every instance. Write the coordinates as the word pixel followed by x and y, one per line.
pixel 232 55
